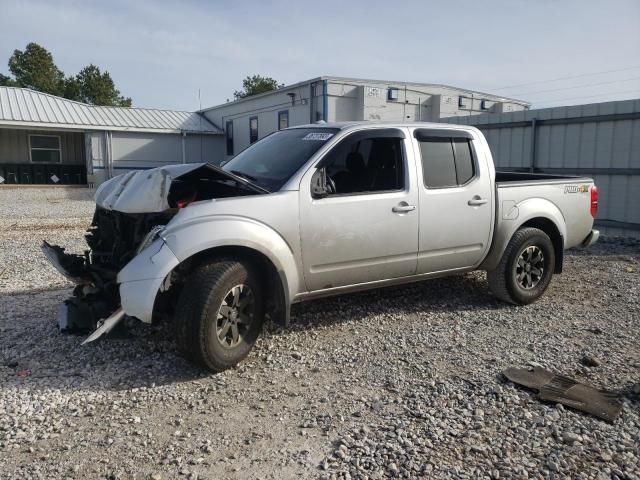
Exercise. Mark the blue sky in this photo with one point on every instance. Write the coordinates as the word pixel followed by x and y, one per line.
pixel 162 52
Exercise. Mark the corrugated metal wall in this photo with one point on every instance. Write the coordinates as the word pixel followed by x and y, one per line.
pixel 14 146
pixel 136 151
pixel 16 166
pixel 600 140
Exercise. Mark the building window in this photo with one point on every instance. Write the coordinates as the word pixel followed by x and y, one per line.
pixel 462 102
pixel 283 119
pixel 229 134
pixel 45 148
pixel 484 105
pixel 253 129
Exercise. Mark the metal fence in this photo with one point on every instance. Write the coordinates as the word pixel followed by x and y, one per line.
pixel 600 140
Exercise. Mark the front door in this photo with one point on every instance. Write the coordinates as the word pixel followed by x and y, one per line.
pixel 367 229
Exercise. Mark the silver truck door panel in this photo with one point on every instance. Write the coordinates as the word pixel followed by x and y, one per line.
pixel 354 238
pixel 456 202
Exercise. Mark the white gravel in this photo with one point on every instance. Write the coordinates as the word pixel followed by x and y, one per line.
pixel 402 382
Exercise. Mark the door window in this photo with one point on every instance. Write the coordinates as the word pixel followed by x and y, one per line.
pixel 366 164
pixel 446 162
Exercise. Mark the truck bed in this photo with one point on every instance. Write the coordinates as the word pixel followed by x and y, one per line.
pixel 525 177
pixel 564 199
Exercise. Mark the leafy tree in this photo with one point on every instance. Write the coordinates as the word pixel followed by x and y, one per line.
pixel 95 87
pixel 34 68
pixel 7 81
pixel 255 85
pixel 72 89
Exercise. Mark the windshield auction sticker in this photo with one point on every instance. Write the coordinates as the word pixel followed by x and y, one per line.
pixel 317 136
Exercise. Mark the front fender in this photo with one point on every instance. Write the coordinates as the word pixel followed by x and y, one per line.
pixel 203 233
pixel 515 215
pixel 141 278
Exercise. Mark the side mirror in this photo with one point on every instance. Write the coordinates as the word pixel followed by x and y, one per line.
pixel 319 184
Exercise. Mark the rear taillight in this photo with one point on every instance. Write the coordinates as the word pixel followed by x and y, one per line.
pixel 594 201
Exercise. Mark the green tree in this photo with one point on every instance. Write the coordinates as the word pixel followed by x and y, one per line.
pixel 257 84
pixel 95 87
pixel 72 89
pixel 34 68
pixel 7 81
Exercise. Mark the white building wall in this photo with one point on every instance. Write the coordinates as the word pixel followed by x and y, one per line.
pixel 351 100
pixel 296 100
pixel 346 100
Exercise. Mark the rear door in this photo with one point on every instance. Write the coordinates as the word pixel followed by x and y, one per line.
pixel 368 229
pixel 456 200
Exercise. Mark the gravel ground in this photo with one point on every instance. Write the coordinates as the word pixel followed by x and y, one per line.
pixel 400 382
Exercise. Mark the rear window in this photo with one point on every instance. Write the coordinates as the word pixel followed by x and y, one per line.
pixel 446 162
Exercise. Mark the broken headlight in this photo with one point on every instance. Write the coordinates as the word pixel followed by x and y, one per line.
pixel 150 237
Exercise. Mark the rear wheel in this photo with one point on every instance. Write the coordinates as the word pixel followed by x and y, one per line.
pixel 220 314
pixel 526 267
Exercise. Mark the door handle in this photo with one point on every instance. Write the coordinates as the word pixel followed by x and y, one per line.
pixel 403 207
pixel 477 201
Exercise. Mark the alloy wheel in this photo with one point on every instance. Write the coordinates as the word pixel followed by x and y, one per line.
pixel 529 268
pixel 235 315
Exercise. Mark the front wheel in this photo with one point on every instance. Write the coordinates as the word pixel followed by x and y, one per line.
pixel 220 313
pixel 526 267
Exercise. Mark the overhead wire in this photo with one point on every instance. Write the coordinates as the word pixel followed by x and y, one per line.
pixel 586 96
pixel 586 85
pixel 569 77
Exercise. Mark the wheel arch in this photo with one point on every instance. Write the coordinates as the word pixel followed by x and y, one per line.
pixel 151 272
pixel 274 279
pixel 537 213
pixel 552 231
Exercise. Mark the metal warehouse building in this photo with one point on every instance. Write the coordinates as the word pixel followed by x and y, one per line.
pixel 335 99
pixel 46 139
pixel 599 140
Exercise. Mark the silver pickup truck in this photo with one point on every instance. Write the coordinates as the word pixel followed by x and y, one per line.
pixel 312 211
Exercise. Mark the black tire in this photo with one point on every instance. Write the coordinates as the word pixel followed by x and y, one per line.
pixel 199 326
pixel 510 281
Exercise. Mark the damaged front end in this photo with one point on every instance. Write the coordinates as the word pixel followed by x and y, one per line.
pixel 131 212
pixel 114 239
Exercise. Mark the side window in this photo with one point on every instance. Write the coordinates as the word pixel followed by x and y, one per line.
pixel 229 134
pixel 446 162
pixel 283 119
pixel 438 165
pixel 366 164
pixel 253 129
pixel 464 160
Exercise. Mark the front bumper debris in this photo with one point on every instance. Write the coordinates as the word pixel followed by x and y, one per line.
pixel 83 314
pixel 105 326
pixel 71 266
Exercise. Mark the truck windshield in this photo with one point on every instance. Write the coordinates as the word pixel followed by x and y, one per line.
pixel 270 162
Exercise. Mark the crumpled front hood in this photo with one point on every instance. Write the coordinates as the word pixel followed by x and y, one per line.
pixel 148 191
pixel 141 191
